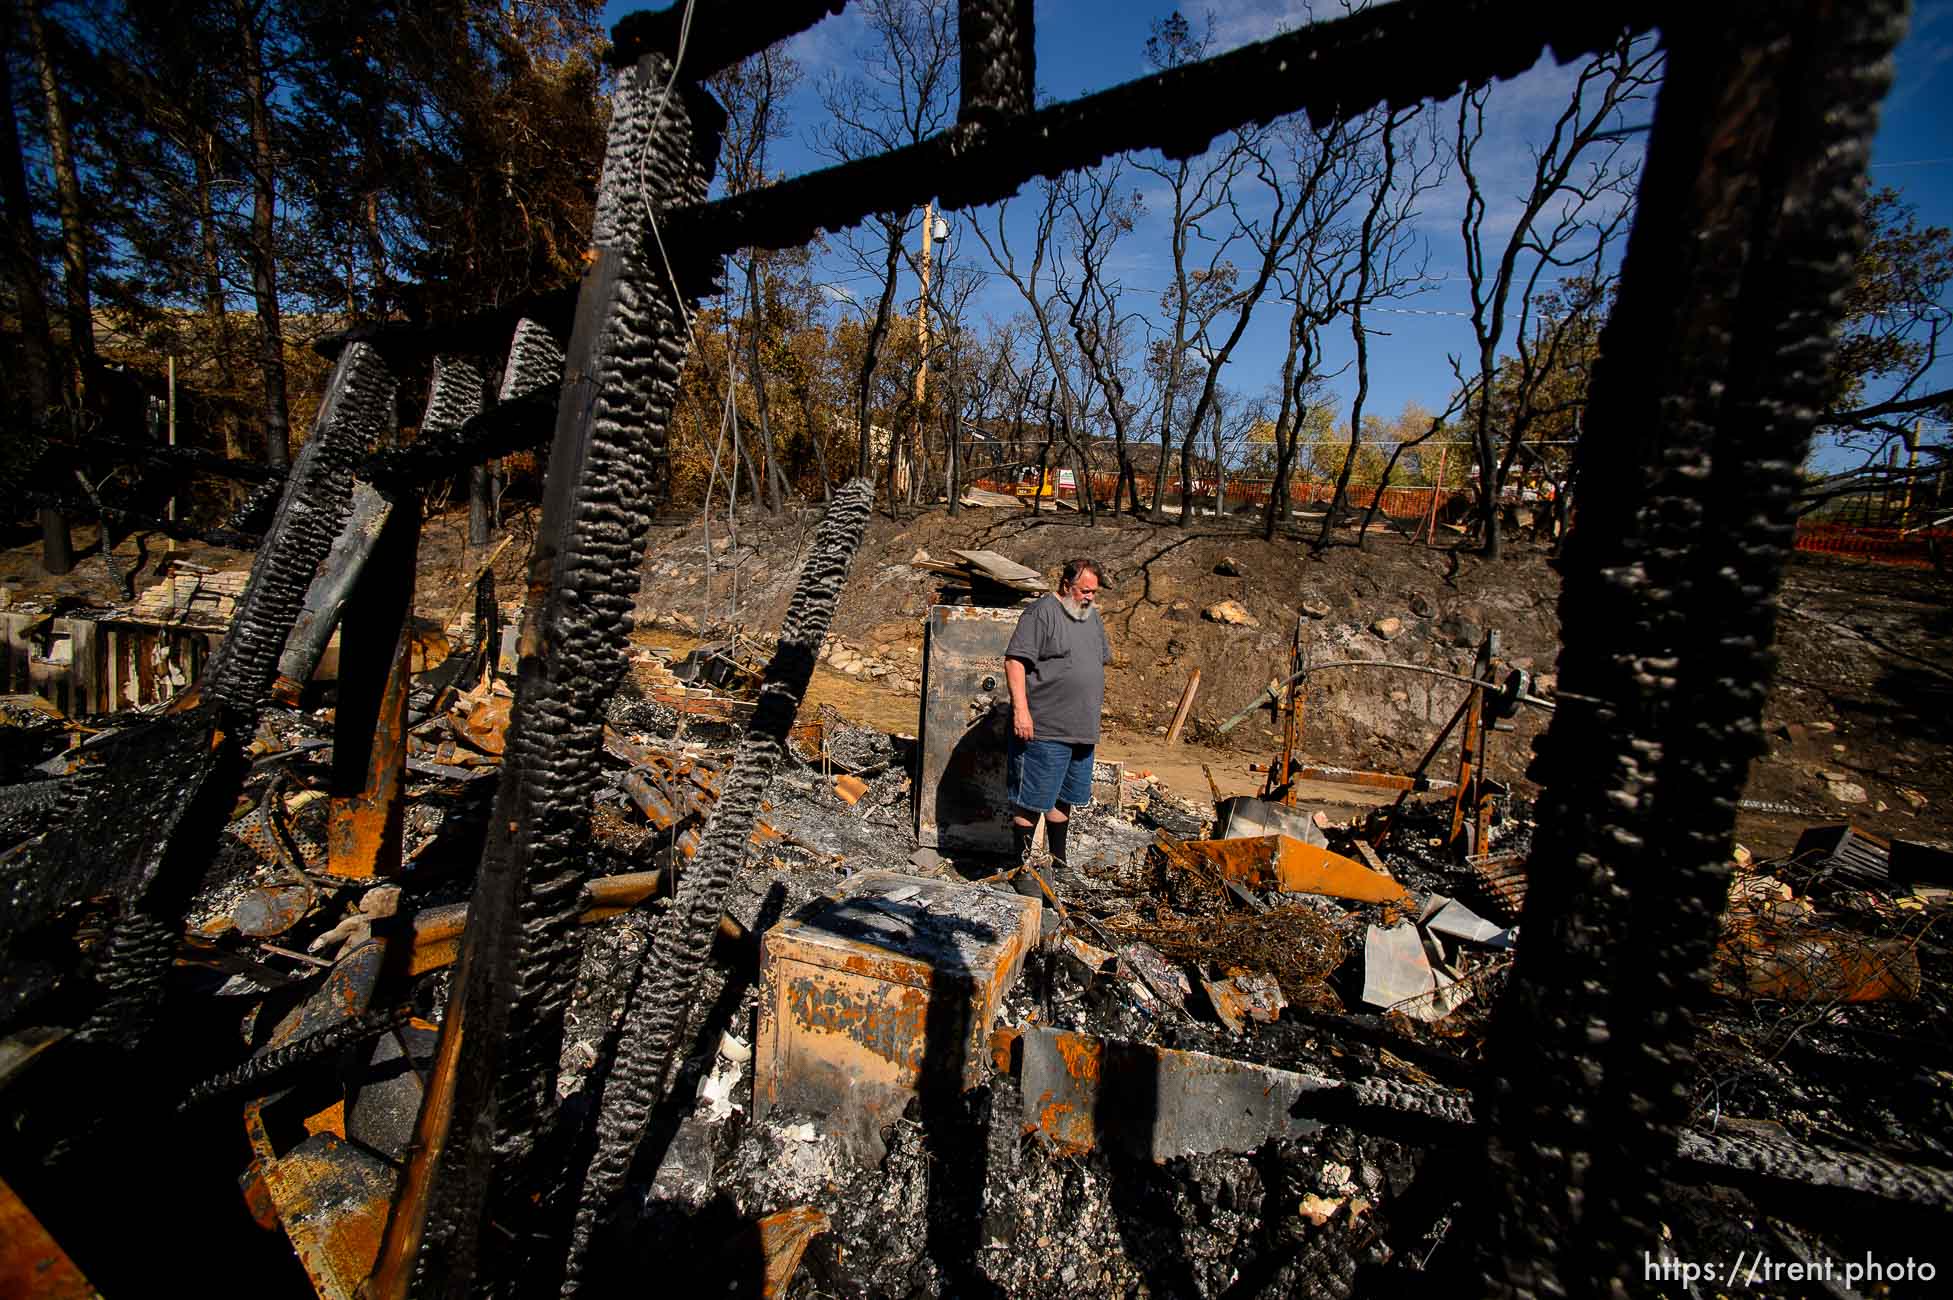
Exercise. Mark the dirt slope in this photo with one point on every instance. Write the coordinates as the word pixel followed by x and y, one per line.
pixel 1861 704
pixel 1865 676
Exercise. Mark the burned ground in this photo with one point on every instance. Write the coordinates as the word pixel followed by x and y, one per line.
pixel 969 1194
pixel 1862 688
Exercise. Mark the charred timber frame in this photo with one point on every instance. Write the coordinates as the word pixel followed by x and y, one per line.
pixel 1762 129
pixel 493 1086
pixel 141 825
pixel 1743 240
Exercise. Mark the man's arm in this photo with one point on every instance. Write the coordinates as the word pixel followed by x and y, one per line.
pixel 1020 708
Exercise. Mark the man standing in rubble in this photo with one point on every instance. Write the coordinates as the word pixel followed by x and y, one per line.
pixel 1055 665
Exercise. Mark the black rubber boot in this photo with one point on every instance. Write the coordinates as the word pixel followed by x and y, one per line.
pixel 1020 839
pixel 1054 838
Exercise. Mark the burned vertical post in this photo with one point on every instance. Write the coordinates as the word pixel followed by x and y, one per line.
pixel 1280 774
pixel 369 727
pixel 1709 371
pixel 1471 751
pixel 494 1079
pixel 664 989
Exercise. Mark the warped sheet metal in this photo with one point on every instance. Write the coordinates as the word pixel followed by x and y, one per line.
pixel 1286 863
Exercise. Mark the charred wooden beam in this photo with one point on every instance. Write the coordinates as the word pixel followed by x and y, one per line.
pixel 358 406
pixel 127 522
pixel 457 394
pixel 520 424
pixel 998 41
pixel 494 1078
pixel 1710 368
pixel 521 418
pixel 722 31
pixel 664 989
pixel 1790 1168
pixel 535 362
pixel 326 597
pixel 278 1064
pixel 483 334
pixel 254 513
pixel 1395 54
pixel 156 456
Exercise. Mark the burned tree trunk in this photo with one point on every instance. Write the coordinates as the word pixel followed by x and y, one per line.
pixel 864 383
pixel 67 189
pixel 262 245
pixel 775 497
pixel 24 271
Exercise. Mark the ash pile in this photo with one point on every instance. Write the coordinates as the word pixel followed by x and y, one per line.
pixel 1227 1049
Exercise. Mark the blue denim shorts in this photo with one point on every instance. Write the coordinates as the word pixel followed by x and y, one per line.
pixel 1044 773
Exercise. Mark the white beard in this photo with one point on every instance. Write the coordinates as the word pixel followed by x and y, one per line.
pixel 1073 610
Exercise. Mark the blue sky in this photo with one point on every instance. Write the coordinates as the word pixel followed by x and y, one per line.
pixel 1087 45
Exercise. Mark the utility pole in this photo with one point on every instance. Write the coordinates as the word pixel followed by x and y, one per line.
pixel 914 458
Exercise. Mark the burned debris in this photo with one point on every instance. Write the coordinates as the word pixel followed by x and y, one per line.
pixel 510 986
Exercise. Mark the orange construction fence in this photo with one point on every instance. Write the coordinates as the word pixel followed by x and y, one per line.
pixel 1909 548
pixel 1398 502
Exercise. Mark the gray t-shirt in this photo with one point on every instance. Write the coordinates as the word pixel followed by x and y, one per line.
pixel 1064 670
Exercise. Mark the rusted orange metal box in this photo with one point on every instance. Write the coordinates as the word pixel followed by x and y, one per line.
pixel 887 985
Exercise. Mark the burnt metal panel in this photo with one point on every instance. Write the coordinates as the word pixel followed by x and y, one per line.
pixel 1083 1092
pixel 873 993
pixel 960 796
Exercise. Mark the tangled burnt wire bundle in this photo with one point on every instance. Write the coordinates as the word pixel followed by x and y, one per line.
pixel 1294 944
pixel 1773 949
